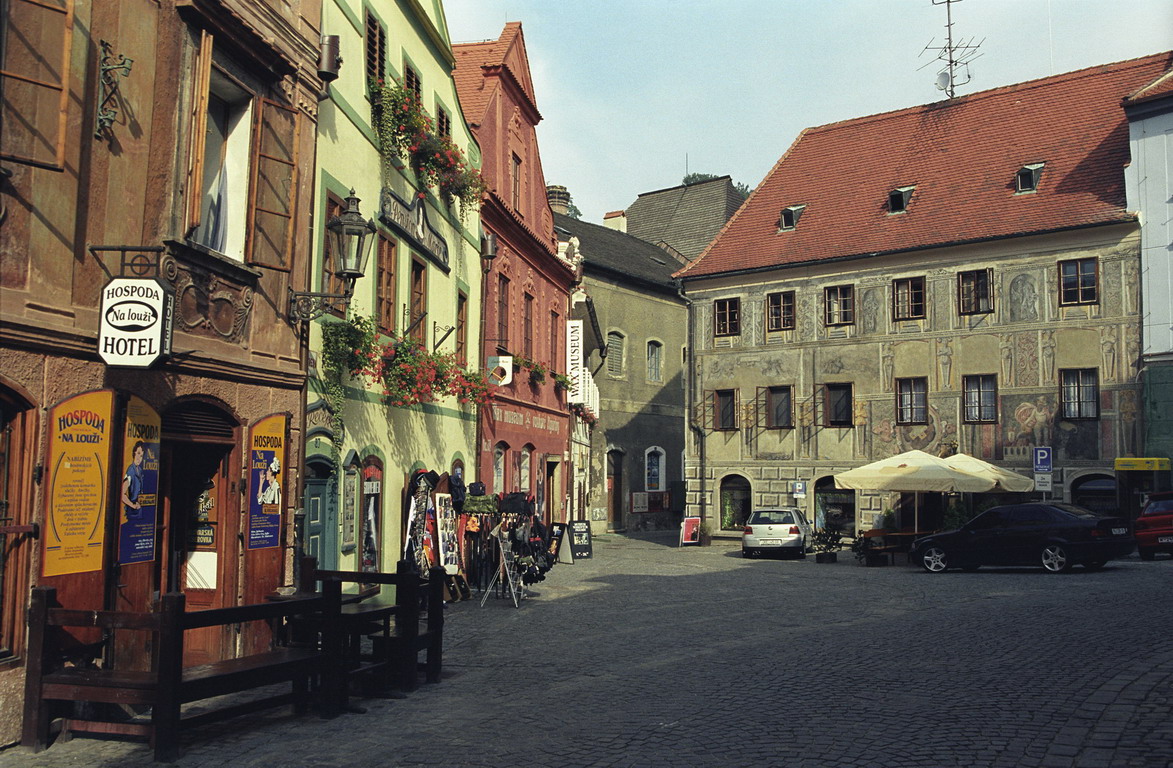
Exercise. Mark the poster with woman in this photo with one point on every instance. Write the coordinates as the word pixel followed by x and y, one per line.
pixel 266 460
pixel 140 483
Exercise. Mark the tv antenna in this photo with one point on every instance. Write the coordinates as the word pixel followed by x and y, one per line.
pixel 955 56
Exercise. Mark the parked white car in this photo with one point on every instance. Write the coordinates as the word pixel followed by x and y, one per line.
pixel 783 530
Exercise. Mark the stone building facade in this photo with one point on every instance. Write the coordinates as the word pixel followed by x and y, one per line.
pixel 981 298
pixel 169 145
pixel 525 429
pixel 636 337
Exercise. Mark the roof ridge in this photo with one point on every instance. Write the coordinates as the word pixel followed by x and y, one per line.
pixel 1037 82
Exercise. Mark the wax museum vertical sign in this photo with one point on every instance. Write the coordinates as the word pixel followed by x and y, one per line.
pixel 80 444
pixel 139 485
pixel 266 463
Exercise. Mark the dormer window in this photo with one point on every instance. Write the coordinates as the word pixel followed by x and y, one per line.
pixel 898 199
pixel 1027 178
pixel 789 218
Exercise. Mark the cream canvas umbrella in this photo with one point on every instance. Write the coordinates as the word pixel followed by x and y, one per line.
pixel 1004 479
pixel 913 472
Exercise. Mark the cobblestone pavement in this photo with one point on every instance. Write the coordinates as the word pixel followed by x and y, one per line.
pixel 651 655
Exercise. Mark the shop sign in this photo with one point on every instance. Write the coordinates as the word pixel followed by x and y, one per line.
pixel 266 442
pixel 580 539
pixel 639 502
pixel 411 221
pixel 136 320
pixel 574 361
pixel 690 531
pixel 501 370
pixel 139 489
pixel 80 432
pixel 1147 465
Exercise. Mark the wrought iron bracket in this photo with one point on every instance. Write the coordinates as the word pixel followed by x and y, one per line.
pixel 306 306
pixel 109 69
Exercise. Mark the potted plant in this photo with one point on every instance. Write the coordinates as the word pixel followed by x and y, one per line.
pixel 826 543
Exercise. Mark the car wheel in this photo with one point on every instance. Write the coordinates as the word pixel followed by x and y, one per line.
pixel 1147 554
pixel 934 559
pixel 1095 565
pixel 803 550
pixel 1054 558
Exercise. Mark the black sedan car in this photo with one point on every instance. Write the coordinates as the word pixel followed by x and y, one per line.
pixel 1051 534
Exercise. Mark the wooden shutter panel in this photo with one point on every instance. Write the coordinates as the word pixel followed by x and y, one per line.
pixel 34 79
pixel 702 412
pixel 274 165
pixel 199 129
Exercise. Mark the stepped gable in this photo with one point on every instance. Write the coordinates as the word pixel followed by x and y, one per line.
pixel 506 53
pixel 961 156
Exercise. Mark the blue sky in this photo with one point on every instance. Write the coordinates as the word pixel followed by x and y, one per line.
pixel 634 92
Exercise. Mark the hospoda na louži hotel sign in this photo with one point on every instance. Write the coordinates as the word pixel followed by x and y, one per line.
pixel 136 320
pixel 80 439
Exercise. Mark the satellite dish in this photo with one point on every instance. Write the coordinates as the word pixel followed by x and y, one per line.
pixel 942 80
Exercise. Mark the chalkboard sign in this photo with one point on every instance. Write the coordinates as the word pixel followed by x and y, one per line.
pixel 580 538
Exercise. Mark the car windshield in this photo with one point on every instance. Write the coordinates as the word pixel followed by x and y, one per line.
pixel 776 517
pixel 1162 507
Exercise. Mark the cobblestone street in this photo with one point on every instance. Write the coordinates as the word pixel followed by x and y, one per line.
pixel 650 655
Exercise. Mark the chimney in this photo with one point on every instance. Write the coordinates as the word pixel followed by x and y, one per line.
pixel 559 198
pixel 615 220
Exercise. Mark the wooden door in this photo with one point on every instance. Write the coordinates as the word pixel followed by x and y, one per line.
pixel 321 516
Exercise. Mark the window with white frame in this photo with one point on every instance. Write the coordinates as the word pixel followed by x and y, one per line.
pixel 655 360
pixel 1079 393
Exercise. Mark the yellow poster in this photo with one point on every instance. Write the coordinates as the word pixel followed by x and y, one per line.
pixel 80 432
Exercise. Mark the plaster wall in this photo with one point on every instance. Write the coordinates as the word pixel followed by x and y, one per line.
pixel 1025 342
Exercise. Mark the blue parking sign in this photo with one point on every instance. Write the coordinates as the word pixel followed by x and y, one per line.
pixel 1042 458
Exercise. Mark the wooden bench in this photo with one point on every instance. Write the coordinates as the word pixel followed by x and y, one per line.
pixel 398 631
pixel 51 686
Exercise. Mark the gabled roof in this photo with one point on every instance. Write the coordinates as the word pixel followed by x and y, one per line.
pixel 620 254
pixel 960 156
pixel 507 53
pixel 687 217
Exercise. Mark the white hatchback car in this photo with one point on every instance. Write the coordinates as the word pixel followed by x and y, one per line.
pixel 782 530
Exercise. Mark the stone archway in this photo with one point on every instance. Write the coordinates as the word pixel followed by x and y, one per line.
pixel 734 502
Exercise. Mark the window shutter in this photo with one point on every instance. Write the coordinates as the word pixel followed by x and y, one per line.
pixel 759 415
pixel 703 412
pixel 199 129
pixel 273 188
pixel 34 78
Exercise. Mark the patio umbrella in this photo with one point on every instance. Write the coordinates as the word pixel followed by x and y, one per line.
pixel 913 472
pixel 1005 480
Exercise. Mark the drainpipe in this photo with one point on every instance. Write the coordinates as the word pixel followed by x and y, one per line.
pixel 689 398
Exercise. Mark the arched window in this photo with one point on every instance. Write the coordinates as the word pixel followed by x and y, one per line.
pixel 655 360
pixel 499 453
pixel 654 479
pixel 524 481
pixel 615 343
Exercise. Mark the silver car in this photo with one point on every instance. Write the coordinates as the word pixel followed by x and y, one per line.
pixel 782 530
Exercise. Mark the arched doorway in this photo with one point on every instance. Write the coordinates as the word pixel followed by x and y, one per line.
pixel 1096 492
pixel 734 504
pixel 198 483
pixel 834 507
pixel 615 505
pixel 321 513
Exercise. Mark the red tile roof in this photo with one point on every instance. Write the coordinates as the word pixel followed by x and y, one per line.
pixel 471 57
pixel 961 155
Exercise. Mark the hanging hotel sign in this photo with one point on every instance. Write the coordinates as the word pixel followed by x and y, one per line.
pixel 574 361
pixel 266 462
pixel 411 221
pixel 137 315
pixel 80 438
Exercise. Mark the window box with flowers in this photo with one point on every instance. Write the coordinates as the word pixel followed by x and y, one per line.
pixel 537 371
pixel 405 131
pixel 348 349
pixel 562 382
pixel 410 375
pixel 585 414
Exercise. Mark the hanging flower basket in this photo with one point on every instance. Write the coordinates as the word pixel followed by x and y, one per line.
pixel 410 375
